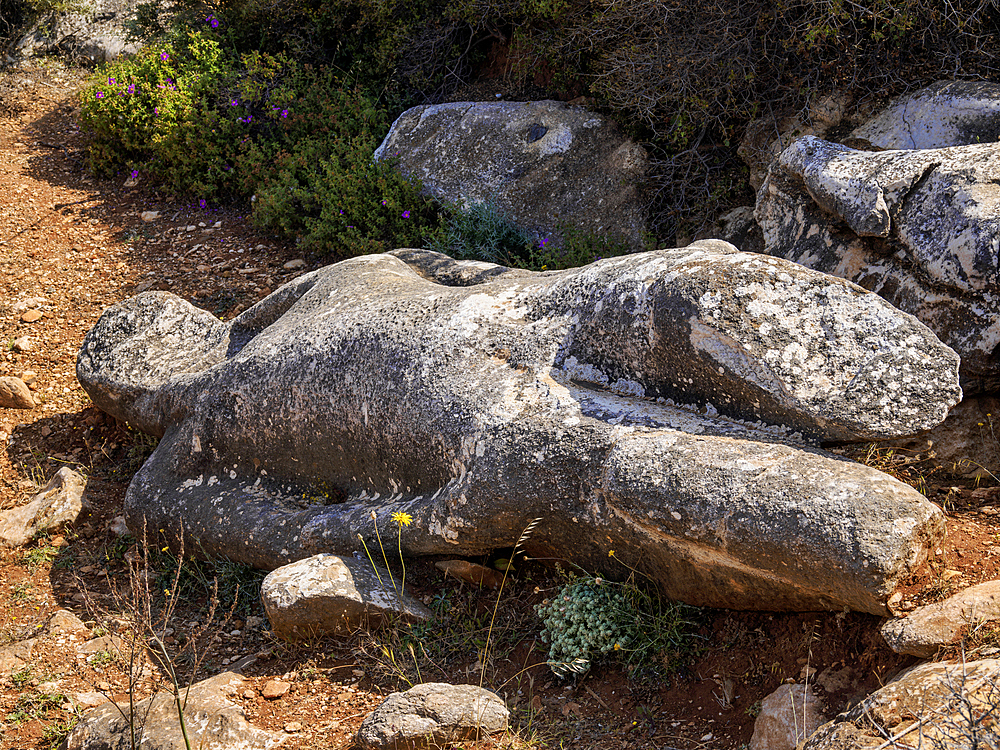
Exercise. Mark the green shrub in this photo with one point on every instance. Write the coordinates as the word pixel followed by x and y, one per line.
pixel 314 177
pixel 482 232
pixel 173 112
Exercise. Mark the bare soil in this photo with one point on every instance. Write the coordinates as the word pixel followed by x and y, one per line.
pixel 71 246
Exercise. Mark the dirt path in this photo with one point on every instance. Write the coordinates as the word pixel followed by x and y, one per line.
pixel 71 246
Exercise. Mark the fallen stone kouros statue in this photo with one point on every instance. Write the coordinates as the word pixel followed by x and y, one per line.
pixel 657 406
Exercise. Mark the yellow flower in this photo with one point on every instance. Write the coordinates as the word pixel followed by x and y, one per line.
pixel 403 519
pixel 611 553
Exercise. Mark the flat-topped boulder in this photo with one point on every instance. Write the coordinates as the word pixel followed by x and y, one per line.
pixel 656 404
pixel 546 165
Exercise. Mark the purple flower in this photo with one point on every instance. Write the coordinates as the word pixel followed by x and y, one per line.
pixel 542 243
pixel 111 81
pixel 156 110
pixel 212 21
pixel 284 113
pixel 406 214
pixel 164 56
pixel 99 95
pixel 131 88
pixel 384 202
pixel 135 173
pixel 203 203
pixel 234 102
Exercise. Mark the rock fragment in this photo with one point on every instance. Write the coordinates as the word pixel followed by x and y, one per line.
pixel 430 714
pixel 15 394
pixel 931 627
pixel 325 594
pixel 59 503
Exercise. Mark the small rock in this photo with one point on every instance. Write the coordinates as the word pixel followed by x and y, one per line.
pixel 14 394
pixel 143 286
pixel 249 694
pixel 214 721
pixel 14 657
pixel 292 727
pixel 150 215
pixel 294 264
pixel 59 503
pixel 432 714
pixel 64 622
pixel 118 526
pixel 190 228
pixel 274 689
pixel 470 572
pixel 31 316
pixel 326 594
pixel 217 225
pixel 29 377
pixel 928 628
pixel 90 699
pixel 787 717
pixel 22 344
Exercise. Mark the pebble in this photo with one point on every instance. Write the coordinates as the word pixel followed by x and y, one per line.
pixel 149 215
pixel 22 344
pixel 294 264
pixel 14 394
pixel 31 316
pixel 29 377
pixel 292 727
pixel 275 689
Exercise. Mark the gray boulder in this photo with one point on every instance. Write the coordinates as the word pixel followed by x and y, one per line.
pixel 546 165
pixel 475 409
pixel 933 626
pixel 430 714
pixel 920 228
pixel 938 706
pixel 213 721
pixel 59 503
pixel 87 31
pixel 329 595
pixel 946 113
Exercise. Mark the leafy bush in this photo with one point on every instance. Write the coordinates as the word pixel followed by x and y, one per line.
pixel 314 176
pixel 173 111
pixel 482 232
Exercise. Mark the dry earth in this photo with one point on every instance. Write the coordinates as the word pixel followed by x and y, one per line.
pixel 71 246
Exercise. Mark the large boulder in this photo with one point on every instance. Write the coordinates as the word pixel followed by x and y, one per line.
pixel 546 165
pixel 87 31
pixel 937 705
pixel 474 409
pixel 920 228
pixel 946 113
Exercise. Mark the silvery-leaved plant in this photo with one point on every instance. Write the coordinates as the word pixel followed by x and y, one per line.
pixel 587 618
